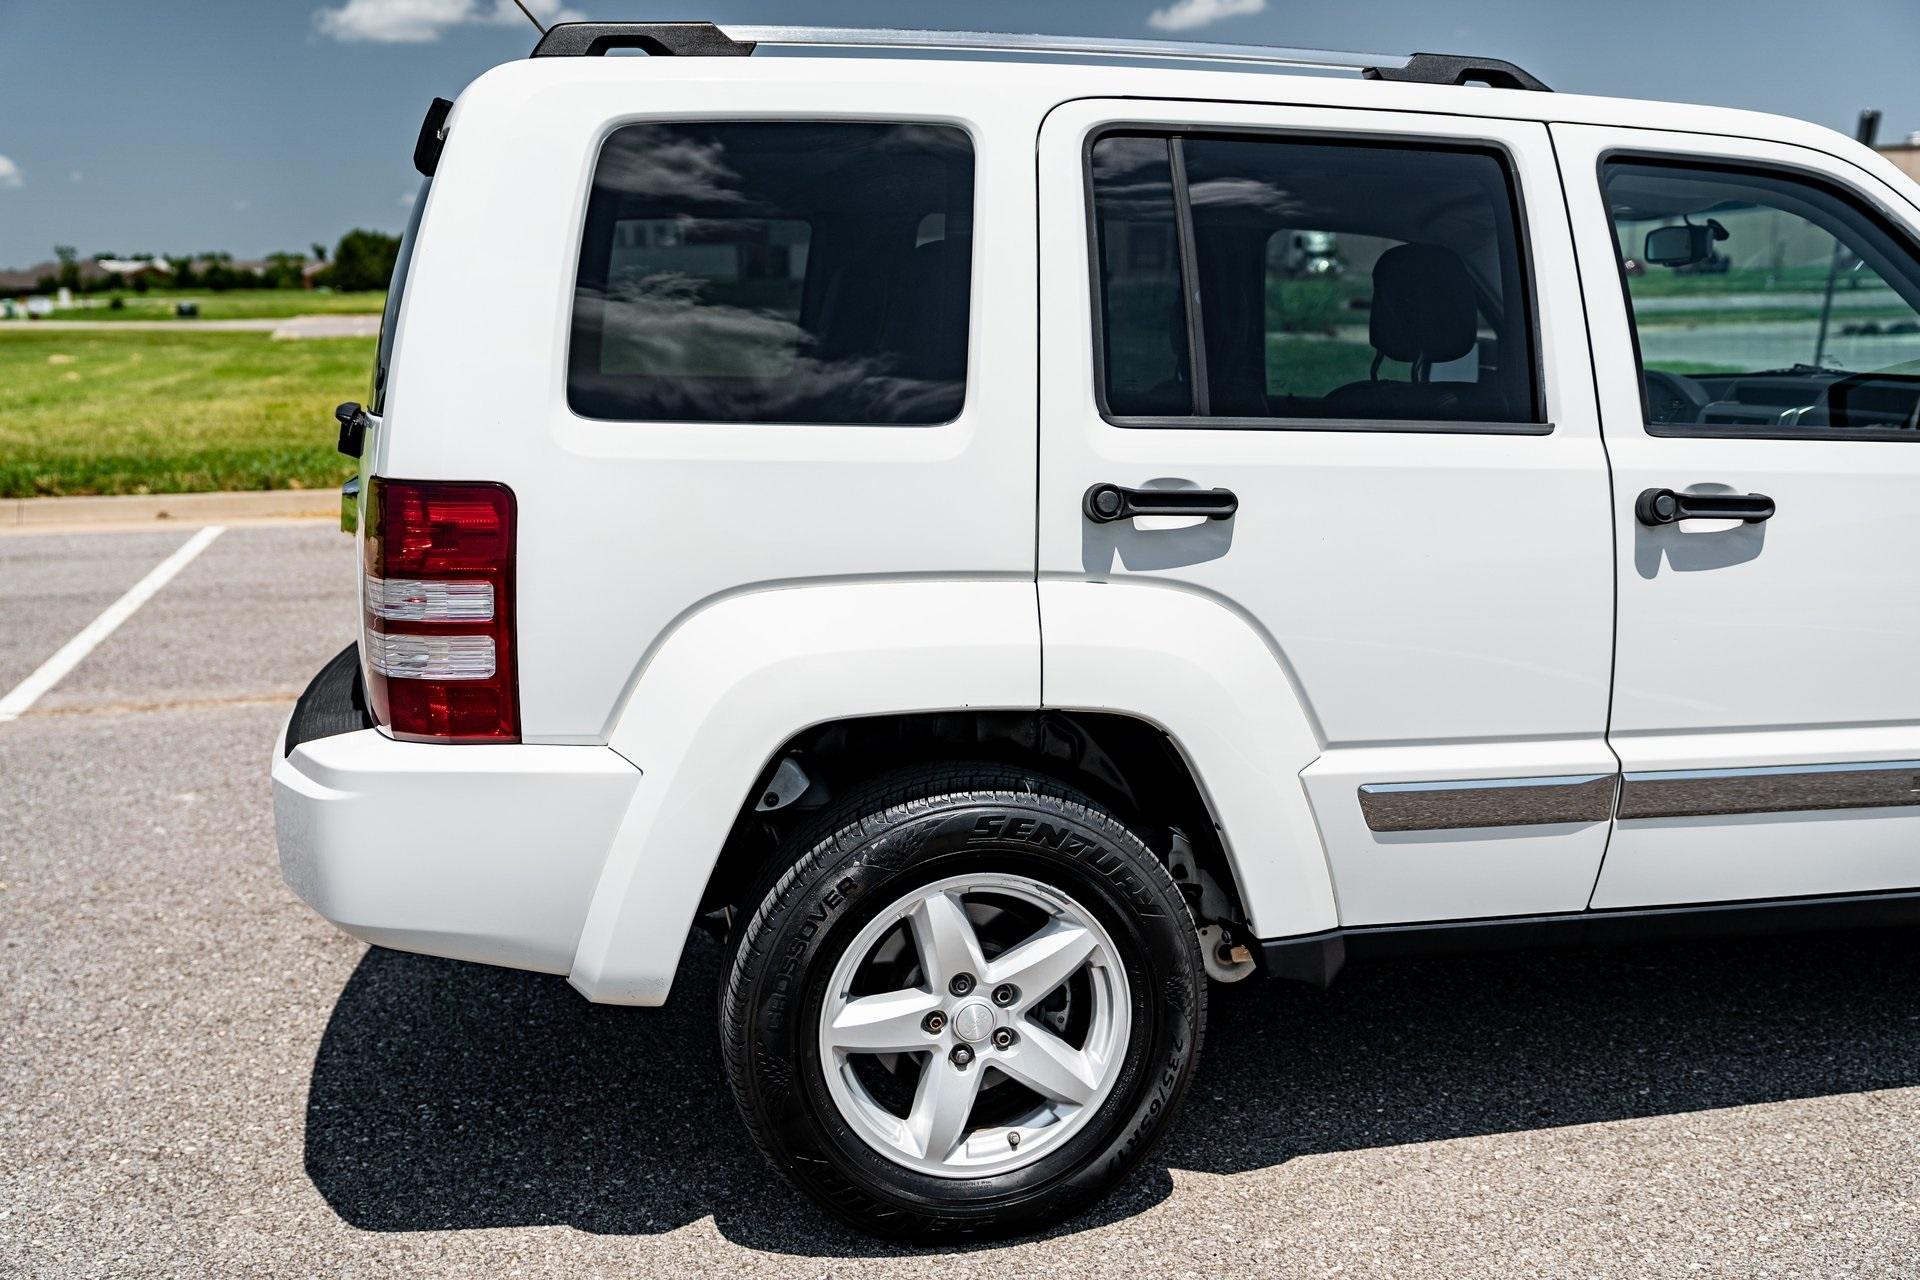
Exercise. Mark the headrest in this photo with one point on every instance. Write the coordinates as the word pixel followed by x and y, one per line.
pixel 1423 305
pixel 936 263
pixel 931 324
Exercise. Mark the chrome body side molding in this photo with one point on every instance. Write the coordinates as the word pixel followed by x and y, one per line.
pixel 1487 802
pixel 1688 793
pixel 1666 793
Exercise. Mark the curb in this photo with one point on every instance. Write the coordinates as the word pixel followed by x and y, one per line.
pixel 180 508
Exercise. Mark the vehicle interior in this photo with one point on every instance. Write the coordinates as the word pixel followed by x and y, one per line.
pixel 775 272
pixel 1429 265
pixel 1337 281
pixel 1765 304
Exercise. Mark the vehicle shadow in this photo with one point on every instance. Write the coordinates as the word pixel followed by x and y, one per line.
pixel 449 1096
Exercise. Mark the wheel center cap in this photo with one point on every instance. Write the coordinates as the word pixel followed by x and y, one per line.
pixel 973 1022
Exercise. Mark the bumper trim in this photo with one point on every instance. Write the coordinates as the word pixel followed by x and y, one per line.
pixel 335 702
pixel 488 854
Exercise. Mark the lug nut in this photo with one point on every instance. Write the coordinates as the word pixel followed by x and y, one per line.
pixel 934 1023
pixel 1006 993
pixel 1004 1038
pixel 961 984
pixel 961 1056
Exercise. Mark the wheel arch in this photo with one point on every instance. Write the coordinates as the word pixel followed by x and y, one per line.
pixel 729 685
pixel 1171 686
pixel 1127 765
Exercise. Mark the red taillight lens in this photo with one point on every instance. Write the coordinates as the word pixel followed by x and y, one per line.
pixel 438 610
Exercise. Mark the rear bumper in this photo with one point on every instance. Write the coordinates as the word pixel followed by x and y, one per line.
pixel 486 853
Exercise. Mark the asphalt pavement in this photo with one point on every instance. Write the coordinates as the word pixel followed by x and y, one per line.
pixel 199 1077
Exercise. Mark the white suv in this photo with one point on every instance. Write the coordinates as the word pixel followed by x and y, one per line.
pixel 1009 536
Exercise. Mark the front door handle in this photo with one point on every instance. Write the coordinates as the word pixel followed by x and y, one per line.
pixel 1106 503
pixel 1664 506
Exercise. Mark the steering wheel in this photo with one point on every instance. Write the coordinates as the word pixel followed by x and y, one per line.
pixel 1878 400
pixel 1672 397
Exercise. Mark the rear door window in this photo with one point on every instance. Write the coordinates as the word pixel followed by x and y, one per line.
pixel 1362 281
pixel 793 272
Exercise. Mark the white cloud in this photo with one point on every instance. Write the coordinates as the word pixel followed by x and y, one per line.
pixel 1184 15
pixel 10 175
pixel 241 206
pixel 407 198
pixel 76 176
pixel 419 21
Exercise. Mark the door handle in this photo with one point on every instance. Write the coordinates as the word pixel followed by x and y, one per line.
pixel 1664 506
pixel 1106 503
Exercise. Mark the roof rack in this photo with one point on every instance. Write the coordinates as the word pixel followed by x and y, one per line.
pixel 706 40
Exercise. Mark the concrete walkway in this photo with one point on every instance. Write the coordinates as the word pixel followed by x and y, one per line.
pixel 36 515
pixel 110 326
pixel 286 327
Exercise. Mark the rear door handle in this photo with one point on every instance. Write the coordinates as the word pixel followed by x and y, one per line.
pixel 1664 506
pixel 1106 503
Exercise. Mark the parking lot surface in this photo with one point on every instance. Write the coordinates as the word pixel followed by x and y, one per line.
pixel 200 1077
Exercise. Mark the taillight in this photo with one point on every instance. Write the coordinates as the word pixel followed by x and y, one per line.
pixel 438 610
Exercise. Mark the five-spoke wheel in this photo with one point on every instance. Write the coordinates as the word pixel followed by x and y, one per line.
pixel 1015 991
pixel 970 1002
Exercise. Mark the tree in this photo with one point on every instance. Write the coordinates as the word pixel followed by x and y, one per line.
pixel 283 271
pixel 69 277
pixel 319 252
pixel 364 260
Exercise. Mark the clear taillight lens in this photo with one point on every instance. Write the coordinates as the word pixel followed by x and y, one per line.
pixel 438 601
pixel 432 657
pixel 414 600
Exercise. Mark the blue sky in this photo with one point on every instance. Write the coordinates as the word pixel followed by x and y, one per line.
pixel 255 125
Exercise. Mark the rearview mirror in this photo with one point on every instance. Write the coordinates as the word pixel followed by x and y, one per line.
pixel 1682 246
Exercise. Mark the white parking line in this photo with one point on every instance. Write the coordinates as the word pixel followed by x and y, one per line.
pixel 55 669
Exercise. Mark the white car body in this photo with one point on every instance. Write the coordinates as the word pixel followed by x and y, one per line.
pixel 1401 609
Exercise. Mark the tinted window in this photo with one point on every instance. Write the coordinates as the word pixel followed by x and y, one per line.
pixel 775 273
pixel 1145 332
pixel 396 288
pixel 1337 280
pixel 1765 303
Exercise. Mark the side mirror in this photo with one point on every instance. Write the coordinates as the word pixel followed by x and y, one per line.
pixel 1682 246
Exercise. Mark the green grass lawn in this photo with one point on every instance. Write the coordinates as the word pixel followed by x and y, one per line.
pixel 163 412
pixel 1662 282
pixel 234 304
pixel 1809 316
pixel 1313 367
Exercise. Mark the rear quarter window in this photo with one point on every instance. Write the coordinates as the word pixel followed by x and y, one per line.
pixel 794 272
pixel 396 290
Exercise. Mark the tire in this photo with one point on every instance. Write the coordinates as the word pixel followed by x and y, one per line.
pixel 1085 1072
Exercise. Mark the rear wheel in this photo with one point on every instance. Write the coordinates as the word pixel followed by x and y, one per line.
pixel 971 1005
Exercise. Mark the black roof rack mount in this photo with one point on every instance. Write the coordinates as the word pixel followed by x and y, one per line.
pixel 1456 68
pixel 660 39
pixel 705 40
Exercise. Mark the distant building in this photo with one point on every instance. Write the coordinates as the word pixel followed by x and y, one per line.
pixel 1905 155
pixel 93 273
pixel 115 272
pixel 132 268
